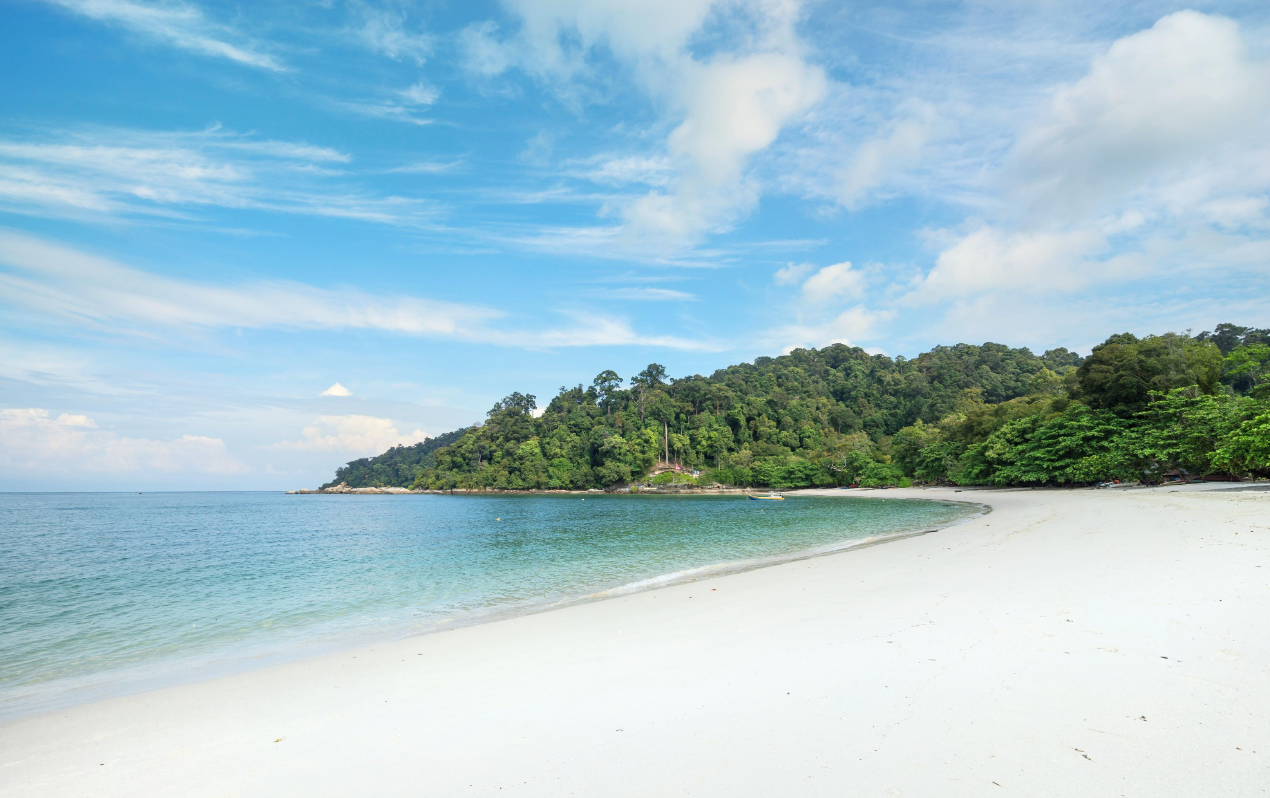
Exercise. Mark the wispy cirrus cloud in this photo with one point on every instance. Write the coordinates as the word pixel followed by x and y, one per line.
pixel 77 286
pixel 591 329
pixel 426 167
pixel 389 31
pixel 644 294
pixel 86 289
pixel 135 174
pixel 178 24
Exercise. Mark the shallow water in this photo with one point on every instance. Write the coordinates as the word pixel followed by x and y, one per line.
pixel 103 594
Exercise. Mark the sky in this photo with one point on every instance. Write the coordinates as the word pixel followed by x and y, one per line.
pixel 241 244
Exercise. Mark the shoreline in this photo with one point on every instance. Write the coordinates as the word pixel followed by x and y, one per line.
pixel 1090 639
pixel 392 491
pixel 339 490
pixel 246 656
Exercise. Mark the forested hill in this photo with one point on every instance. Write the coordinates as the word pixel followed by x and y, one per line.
pixel 966 414
pixel 396 467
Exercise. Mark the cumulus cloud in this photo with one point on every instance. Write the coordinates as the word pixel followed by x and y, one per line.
pixel 832 283
pixel 987 259
pixel 1152 162
pixel 819 317
pixel 733 107
pixel 726 105
pixel 336 390
pixel 180 25
pixel 1155 101
pixel 360 435
pixel 792 273
pixel 33 442
pixel 846 327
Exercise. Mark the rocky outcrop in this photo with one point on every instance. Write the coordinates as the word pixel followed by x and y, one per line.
pixel 343 488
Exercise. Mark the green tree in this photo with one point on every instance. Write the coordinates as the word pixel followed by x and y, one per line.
pixel 1123 371
pixel 1181 429
pixel 962 413
pixel 1079 445
pixel 1246 448
pixel 1247 369
pixel 607 386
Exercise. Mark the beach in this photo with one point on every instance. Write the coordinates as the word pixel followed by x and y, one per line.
pixel 1069 642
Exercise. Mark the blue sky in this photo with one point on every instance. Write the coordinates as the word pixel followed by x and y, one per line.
pixel 211 215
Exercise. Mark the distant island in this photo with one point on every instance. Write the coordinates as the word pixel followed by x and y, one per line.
pixel 1171 406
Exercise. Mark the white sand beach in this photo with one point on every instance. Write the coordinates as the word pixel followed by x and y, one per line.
pixel 1092 643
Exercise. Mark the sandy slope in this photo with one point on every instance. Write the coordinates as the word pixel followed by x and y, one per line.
pixel 1070 643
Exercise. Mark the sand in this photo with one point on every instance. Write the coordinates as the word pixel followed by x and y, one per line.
pixel 1111 642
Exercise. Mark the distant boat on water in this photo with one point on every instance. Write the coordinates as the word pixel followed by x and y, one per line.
pixel 771 497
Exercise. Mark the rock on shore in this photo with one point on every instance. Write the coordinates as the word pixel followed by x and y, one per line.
pixel 342 488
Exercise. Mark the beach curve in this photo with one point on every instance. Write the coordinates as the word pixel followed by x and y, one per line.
pixel 1070 642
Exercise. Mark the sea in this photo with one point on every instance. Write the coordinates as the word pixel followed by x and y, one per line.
pixel 106 594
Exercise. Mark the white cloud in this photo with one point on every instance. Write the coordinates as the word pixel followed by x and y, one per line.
pixel 421 94
pixel 1237 211
pixel 162 175
pixel 336 390
pixel 792 273
pixel 819 319
pixel 1156 100
pixel 733 107
pixel 854 323
pixel 426 167
pixel 384 109
pixel 361 435
pixel 1152 163
pixel 645 294
pixel 899 146
pixel 726 106
pixel 62 281
pixel 988 259
pixel 89 289
pixel 652 171
pixel 557 36
pixel 832 283
pixel 67 420
pixel 483 53
pixel 387 32
pixel 179 24
pixel 32 442
pixel 591 329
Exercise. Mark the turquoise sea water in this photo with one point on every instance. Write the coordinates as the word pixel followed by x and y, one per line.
pixel 102 594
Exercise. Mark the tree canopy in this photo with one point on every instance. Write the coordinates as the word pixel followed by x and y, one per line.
pixel 967 414
pixel 396 467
